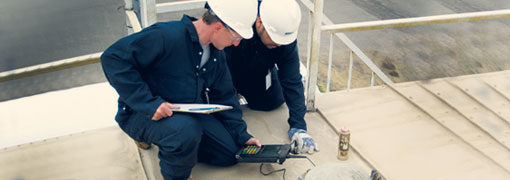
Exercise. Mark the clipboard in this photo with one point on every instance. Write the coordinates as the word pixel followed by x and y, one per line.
pixel 201 108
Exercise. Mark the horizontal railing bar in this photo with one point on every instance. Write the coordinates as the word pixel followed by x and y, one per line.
pixel 65 63
pixel 50 67
pixel 407 22
pixel 179 6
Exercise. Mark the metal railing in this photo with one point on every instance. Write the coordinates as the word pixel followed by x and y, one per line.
pixel 397 23
pixel 407 22
pixel 148 10
pixel 134 25
pixel 50 67
pixel 311 81
pixel 337 29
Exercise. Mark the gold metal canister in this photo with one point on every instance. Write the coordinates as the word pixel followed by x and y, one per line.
pixel 343 145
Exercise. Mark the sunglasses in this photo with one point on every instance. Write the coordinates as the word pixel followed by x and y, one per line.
pixel 234 37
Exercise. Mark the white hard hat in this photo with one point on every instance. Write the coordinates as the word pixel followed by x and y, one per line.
pixel 281 19
pixel 238 14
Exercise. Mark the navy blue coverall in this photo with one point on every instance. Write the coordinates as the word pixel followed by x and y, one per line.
pixel 250 62
pixel 161 63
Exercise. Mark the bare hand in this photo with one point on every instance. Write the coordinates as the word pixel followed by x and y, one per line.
pixel 164 110
pixel 252 141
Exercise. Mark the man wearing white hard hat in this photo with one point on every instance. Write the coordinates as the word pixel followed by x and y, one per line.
pixel 182 62
pixel 265 68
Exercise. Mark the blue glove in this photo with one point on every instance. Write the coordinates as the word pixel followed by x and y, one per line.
pixel 301 141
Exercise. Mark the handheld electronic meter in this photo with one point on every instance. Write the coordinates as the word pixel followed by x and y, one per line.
pixel 270 153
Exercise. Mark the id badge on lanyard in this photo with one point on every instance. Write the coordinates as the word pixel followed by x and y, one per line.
pixel 268 79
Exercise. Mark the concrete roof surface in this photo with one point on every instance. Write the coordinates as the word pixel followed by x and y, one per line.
pixel 449 128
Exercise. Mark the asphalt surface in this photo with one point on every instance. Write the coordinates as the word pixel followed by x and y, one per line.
pixel 39 31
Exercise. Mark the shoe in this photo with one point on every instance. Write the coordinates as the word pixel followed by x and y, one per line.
pixel 143 145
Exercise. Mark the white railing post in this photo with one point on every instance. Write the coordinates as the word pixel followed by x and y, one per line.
pixel 330 61
pixel 372 80
pixel 147 12
pixel 132 22
pixel 128 6
pixel 314 56
pixel 308 49
pixel 349 80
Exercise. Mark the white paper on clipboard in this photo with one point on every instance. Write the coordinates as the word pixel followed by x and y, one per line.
pixel 201 108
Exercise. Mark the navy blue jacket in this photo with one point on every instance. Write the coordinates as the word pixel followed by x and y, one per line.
pixel 161 63
pixel 250 62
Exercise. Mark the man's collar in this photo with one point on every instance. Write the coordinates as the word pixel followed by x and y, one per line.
pixel 188 22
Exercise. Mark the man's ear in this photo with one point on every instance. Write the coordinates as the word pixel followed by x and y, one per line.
pixel 217 26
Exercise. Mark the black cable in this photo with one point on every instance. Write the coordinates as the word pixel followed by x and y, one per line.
pixel 283 169
pixel 298 156
pixel 271 172
pixel 308 170
pixel 310 162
